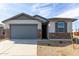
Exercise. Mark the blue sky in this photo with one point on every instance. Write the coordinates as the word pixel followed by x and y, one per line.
pixel 48 10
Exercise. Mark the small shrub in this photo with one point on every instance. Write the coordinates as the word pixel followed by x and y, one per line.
pixel 49 44
pixel 60 42
pixel 74 40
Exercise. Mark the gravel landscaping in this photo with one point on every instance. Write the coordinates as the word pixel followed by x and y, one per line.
pixel 57 48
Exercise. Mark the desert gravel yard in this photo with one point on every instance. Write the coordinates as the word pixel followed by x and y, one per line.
pixel 56 49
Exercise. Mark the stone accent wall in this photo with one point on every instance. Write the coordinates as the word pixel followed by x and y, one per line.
pixel 39 34
pixel 7 33
pixel 2 37
pixel 2 34
pixel 59 35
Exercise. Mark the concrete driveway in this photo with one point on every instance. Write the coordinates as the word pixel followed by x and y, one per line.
pixel 19 47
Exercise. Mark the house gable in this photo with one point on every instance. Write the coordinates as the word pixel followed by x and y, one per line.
pixel 22 16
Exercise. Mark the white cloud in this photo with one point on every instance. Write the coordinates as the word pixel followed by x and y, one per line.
pixel 2 8
pixel 38 5
pixel 73 13
pixel 2 5
pixel 45 11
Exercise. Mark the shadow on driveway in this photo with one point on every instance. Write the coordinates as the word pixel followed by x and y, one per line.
pixel 25 41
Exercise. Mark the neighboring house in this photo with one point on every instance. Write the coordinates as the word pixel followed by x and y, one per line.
pixel 24 26
pixel 1 31
pixel 76 35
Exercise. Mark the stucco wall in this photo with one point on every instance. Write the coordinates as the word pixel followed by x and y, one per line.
pixel 51 27
pixel 22 22
pixel 69 26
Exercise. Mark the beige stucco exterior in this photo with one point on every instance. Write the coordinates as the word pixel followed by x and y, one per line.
pixel 51 27
pixel 22 22
pixel 69 26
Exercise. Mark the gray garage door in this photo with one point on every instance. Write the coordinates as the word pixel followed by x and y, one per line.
pixel 23 31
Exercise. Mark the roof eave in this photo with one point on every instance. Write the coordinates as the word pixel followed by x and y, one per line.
pixel 72 19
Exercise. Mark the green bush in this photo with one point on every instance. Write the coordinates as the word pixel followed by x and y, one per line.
pixel 74 40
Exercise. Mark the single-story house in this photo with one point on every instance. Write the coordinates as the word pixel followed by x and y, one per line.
pixel 24 26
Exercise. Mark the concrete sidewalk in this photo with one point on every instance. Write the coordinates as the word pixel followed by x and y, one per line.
pixel 22 50
pixel 5 45
pixel 18 48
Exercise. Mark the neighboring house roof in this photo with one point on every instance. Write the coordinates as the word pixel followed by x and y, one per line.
pixel 71 19
pixel 23 18
pixel 41 18
pixel 1 25
pixel 76 33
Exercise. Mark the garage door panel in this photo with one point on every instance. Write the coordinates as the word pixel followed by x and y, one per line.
pixel 24 31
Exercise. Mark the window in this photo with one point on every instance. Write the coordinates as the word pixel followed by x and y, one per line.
pixel 60 27
pixel 60 24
